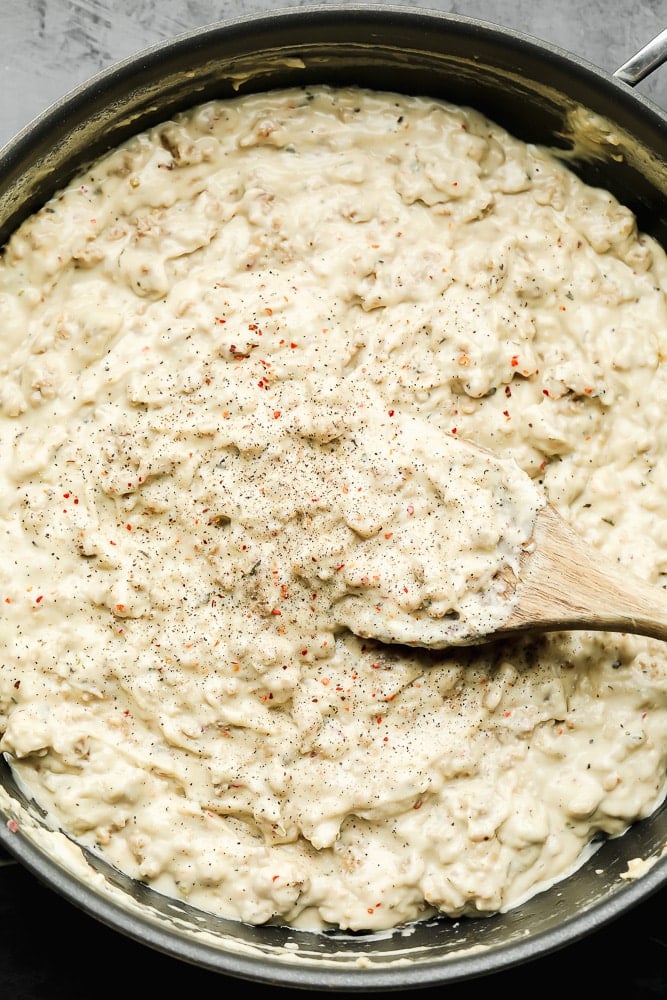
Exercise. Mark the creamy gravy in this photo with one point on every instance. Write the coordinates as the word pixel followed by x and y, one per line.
pixel 242 352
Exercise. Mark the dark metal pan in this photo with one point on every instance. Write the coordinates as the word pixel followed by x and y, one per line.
pixel 614 138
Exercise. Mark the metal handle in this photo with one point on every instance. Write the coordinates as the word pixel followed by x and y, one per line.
pixel 645 61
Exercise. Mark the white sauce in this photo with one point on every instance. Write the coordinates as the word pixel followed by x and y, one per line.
pixel 241 353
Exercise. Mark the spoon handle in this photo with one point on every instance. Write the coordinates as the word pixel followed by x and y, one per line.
pixel 564 584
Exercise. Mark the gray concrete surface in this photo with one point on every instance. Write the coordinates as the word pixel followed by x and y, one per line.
pixel 50 46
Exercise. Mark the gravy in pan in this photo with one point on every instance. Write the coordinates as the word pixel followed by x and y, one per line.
pixel 240 354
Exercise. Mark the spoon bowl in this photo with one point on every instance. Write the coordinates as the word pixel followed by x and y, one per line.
pixel 562 583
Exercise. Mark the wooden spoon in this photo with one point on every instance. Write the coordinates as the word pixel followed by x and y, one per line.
pixel 562 584
pixel 566 584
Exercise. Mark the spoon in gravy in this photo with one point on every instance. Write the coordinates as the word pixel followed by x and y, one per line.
pixel 558 582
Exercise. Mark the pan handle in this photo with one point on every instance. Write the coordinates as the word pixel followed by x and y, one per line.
pixel 645 61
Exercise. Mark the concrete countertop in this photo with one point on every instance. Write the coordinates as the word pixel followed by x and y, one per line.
pixel 51 46
pixel 48 950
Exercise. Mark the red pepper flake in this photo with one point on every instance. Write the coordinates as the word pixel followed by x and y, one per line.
pixel 340 567
pixel 38 600
pixel 508 391
pixel 219 319
pixel 293 345
pixel 12 826
pixel 276 611
pixel 418 804
pixel 545 392
pixel 275 878
pixel 514 360
pixel 8 600
pixel 276 414
pixel 388 534
pixel 410 510
pixel 128 527
pixel 455 430
pixel 379 720
pixel 506 413
pixel 391 413
pixel 66 495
